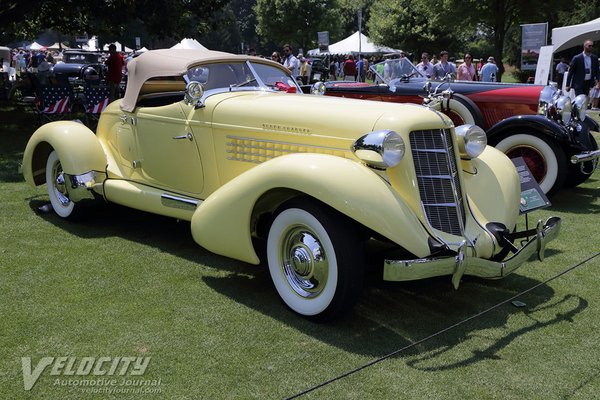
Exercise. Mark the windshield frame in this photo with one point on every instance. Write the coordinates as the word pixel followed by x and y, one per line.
pixel 413 74
pixel 259 81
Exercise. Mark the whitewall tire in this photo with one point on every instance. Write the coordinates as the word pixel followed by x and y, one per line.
pixel 462 110
pixel 546 161
pixel 57 188
pixel 315 260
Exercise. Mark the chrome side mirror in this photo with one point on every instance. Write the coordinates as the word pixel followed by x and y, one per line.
pixel 193 94
pixel 318 88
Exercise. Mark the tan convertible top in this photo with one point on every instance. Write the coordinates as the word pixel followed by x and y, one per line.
pixel 168 62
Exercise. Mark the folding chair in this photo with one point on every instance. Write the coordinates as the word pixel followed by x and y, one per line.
pixel 95 100
pixel 56 103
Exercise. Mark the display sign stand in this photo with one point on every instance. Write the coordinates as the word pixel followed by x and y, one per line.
pixel 532 196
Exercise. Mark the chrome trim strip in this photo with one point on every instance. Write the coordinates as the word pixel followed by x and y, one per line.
pixel 430 150
pixel 182 203
pixel 437 176
pixel 459 207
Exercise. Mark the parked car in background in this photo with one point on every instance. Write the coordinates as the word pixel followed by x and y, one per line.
pixel 77 63
pixel 540 124
pixel 210 138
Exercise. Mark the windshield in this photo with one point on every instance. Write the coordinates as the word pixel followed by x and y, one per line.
pixel 242 75
pixel 81 58
pixel 395 68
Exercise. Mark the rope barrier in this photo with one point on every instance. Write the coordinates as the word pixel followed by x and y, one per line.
pixel 413 344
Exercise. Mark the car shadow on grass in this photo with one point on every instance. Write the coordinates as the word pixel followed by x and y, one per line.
pixel 579 199
pixel 388 315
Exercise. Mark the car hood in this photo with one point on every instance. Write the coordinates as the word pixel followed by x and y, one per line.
pixel 70 69
pixel 307 115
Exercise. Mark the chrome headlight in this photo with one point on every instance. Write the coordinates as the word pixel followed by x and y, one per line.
pixel 380 149
pixel 546 101
pixel 563 108
pixel 580 105
pixel 471 140
pixel 318 88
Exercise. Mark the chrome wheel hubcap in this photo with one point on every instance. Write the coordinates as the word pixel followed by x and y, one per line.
pixel 60 187
pixel 303 261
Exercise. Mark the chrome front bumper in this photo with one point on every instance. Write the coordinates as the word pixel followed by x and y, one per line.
pixel 461 263
pixel 585 156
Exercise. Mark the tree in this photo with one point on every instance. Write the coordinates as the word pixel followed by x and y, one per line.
pixel 161 18
pixel 295 21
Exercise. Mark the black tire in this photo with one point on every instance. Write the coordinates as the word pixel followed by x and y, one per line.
pixel 315 258
pixel 579 173
pixel 462 110
pixel 544 158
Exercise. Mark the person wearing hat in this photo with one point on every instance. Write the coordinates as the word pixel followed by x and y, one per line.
pixel 43 71
pixel 304 69
pixel 489 71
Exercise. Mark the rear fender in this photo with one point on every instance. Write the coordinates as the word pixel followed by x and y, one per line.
pixel 223 222
pixel 79 150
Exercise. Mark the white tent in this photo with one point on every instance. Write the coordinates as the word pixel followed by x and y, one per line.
pixel 92 44
pixel 353 45
pixel 57 46
pixel 189 44
pixel 566 37
pixel 120 47
pixel 36 46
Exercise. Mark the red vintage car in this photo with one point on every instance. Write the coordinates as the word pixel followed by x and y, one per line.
pixel 548 129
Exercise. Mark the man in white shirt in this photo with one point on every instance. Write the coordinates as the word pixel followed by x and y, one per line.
pixel 289 61
pixel 583 71
pixel 425 67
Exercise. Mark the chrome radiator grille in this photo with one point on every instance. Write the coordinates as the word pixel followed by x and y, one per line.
pixel 437 177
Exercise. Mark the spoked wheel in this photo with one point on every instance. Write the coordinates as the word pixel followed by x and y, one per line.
pixel 57 188
pixel 315 259
pixel 546 161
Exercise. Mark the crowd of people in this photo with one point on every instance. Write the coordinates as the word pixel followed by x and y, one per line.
pixel 356 68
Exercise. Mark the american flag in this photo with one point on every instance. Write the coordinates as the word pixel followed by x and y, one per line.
pixel 96 98
pixel 55 100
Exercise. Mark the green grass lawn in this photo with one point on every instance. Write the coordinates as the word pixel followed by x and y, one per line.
pixel 125 283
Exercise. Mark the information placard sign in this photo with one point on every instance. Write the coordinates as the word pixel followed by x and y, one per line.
pixel 532 196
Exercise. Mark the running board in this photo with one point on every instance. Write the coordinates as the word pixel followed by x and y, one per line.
pixel 150 199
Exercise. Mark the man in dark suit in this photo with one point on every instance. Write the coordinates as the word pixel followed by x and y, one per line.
pixel 583 71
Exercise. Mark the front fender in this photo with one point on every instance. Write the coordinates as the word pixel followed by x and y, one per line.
pixel 79 150
pixel 222 223
pixel 537 123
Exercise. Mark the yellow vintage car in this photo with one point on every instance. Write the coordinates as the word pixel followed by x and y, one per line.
pixel 301 182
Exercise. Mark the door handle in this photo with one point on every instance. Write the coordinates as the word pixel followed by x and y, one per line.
pixel 186 136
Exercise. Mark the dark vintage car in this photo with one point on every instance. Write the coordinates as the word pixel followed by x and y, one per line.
pixel 76 63
pixel 549 130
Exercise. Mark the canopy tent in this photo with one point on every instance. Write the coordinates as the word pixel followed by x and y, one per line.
pixel 188 43
pixel 353 45
pixel 92 44
pixel 57 46
pixel 566 37
pixel 120 47
pixel 36 46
